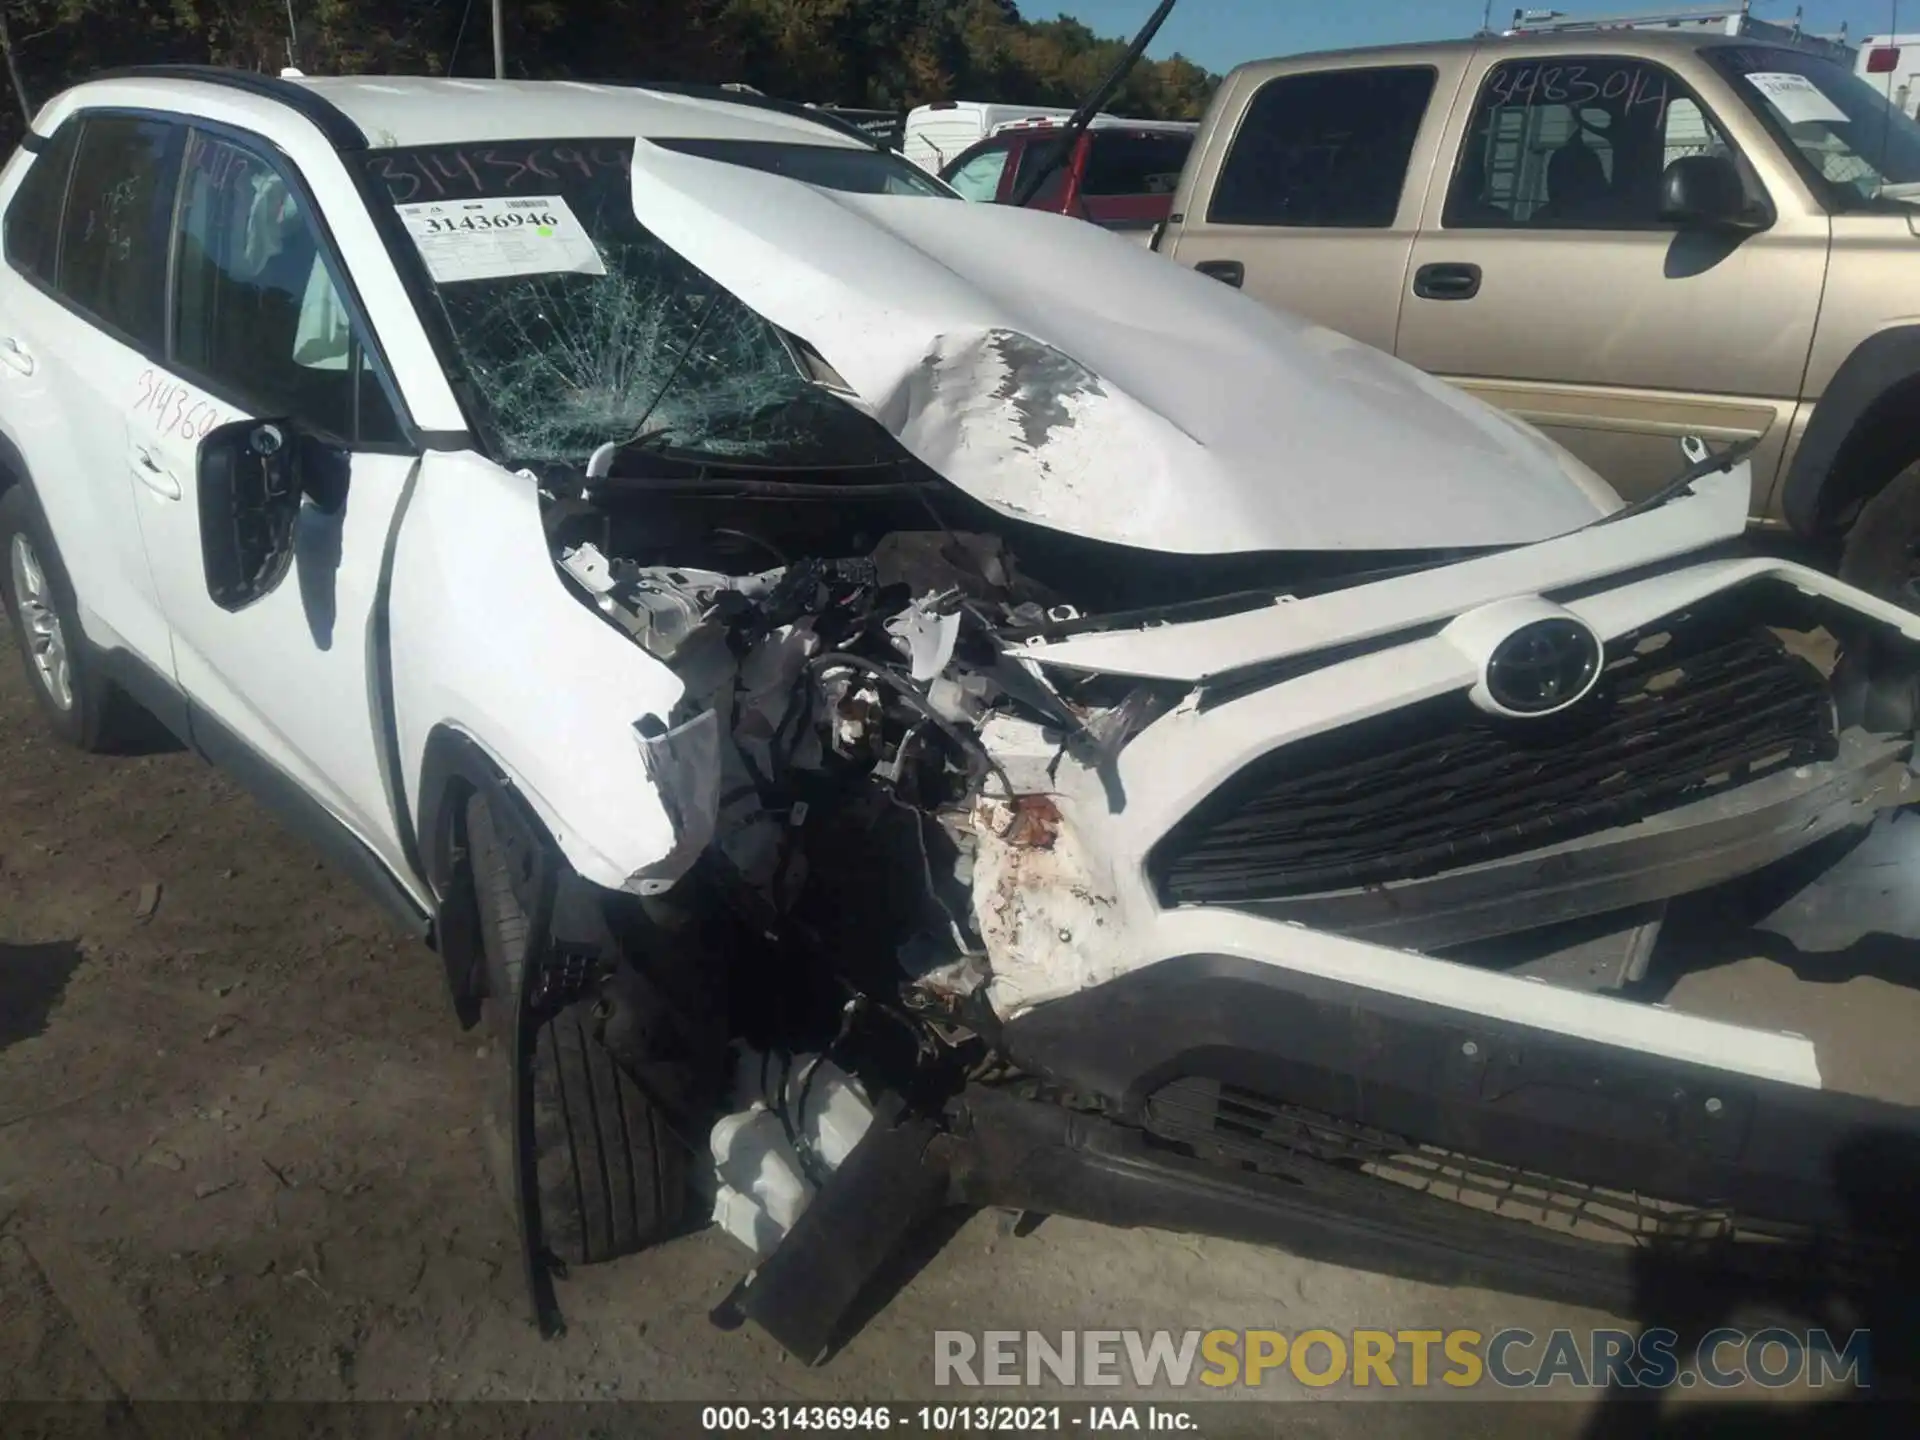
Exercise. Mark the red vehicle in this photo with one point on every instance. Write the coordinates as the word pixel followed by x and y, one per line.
pixel 1122 173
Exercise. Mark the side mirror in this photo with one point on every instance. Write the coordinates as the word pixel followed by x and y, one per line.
pixel 253 475
pixel 1705 192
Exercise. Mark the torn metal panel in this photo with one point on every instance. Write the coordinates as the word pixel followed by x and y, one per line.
pixel 487 640
pixel 1063 376
pixel 685 766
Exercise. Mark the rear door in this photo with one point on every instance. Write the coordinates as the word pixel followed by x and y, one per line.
pixel 1311 200
pixel 82 321
pixel 1545 281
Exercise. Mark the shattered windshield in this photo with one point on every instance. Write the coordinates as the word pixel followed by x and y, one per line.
pixel 576 326
pixel 1864 151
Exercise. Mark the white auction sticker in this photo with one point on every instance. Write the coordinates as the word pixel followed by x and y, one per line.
pixel 1796 97
pixel 499 238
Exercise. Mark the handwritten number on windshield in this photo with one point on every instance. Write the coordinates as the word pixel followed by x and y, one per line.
pixel 1621 87
pixel 465 172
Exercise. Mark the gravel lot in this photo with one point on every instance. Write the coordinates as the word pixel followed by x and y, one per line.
pixel 241 1157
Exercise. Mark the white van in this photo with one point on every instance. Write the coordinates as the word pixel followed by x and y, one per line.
pixel 1891 64
pixel 938 132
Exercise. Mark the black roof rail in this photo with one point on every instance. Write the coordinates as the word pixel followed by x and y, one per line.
pixel 754 99
pixel 333 122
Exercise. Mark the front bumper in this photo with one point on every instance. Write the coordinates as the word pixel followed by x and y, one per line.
pixel 1417 1075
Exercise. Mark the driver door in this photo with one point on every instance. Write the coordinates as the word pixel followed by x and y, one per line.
pixel 1545 281
pixel 283 690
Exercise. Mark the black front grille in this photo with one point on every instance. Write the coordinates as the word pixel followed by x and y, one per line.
pixel 1681 712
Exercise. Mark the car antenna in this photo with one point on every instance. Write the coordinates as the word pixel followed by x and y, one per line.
pixel 1083 117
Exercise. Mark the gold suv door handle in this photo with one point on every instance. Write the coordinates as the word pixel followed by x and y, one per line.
pixel 1447 282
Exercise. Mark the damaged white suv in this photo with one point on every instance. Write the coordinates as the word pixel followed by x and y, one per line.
pixel 1164 761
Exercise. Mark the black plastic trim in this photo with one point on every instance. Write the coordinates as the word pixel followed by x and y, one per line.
pixel 329 119
pixel 1515 1094
pixel 1878 365
pixel 1657 857
pixel 389 756
pixel 33 142
pixel 1047 1160
pixel 411 271
pixel 292 806
pixel 148 689
pixel 309 819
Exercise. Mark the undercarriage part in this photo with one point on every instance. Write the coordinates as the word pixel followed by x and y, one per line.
pixel 891 1184
pixel 1696 708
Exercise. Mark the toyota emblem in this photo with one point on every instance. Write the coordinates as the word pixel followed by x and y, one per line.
pixel 1543 667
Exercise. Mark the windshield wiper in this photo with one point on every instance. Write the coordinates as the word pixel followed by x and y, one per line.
pixel 1684 481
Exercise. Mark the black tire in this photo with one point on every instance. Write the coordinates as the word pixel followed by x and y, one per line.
pixel 94 715
pixel 1882 554
pixel 612 1177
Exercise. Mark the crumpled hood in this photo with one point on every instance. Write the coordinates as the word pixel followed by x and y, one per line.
pixel 1064 376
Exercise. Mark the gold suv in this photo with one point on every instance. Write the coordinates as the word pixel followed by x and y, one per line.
pixel 1622 237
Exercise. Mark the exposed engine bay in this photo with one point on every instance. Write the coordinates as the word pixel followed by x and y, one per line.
pixel 851 661
pixel 908 835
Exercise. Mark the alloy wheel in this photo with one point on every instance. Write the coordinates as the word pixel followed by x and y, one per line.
pixel 40 620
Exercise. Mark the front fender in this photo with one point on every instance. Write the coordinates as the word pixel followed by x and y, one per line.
pixel 488 643
pixel 1878 366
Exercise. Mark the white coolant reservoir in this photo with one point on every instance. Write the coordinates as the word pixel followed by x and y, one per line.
pixel 762 1188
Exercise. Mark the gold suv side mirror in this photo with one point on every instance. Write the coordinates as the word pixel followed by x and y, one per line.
pixel 1705 192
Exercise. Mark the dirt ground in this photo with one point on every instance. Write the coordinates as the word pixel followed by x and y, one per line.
pixel 240 1157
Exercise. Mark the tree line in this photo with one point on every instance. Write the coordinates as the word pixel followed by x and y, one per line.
pixel 880 54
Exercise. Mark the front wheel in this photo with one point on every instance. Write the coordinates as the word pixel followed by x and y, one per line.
pixel 612 1176
pixel 1882 554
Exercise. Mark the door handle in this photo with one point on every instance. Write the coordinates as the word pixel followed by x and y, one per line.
pixel 1447 282
pixel 151 473
pixel 15 356
pixel 1227 272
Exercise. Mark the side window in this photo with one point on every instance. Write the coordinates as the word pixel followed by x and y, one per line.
pixel 979 178
pixel 1575 144
pixel 1328 149
pixel 1037 153
pixel 256 310
pixel 113 242
pixel 1143 164
pixel 33 219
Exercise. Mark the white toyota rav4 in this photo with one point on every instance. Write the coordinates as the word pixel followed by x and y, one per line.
pixel 797 643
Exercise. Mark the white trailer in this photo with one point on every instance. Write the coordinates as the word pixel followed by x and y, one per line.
pixel 1891 64
pixel 938 132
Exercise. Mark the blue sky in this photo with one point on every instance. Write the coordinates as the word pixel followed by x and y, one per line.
pixel 1221 33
